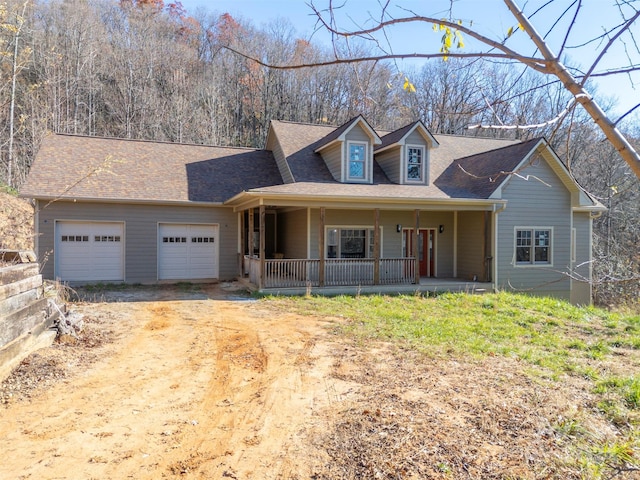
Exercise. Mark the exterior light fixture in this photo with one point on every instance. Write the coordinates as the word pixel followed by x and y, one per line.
pixel 441 228
pixel 398 228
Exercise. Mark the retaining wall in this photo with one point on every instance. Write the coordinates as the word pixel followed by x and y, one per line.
pixel 25 316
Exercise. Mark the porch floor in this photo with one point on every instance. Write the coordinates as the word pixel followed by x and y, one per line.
pixel 427 284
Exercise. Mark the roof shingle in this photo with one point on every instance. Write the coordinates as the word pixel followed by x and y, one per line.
pixel 70 166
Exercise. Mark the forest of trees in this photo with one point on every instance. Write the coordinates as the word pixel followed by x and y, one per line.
pixel 149 70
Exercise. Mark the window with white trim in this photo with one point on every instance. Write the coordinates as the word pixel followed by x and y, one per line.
pixel 533 246
pixel 357 168
pixel 350 242
pixel 415 164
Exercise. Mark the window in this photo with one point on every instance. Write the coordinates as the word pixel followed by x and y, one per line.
pixel 357 159
pixel 350 243
pixel 415 164
pixel 106 238
pixel 75 238
pixel 533 246
pixel 174 239
pixel 202 239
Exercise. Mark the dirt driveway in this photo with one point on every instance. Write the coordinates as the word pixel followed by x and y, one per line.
pixel 207 386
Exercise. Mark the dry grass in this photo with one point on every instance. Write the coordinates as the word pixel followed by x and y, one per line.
pixel 415 417
pixel 16 223
pixel 498 386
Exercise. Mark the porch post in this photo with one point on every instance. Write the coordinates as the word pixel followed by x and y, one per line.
pixel 376 246
pixel 263 215
pixel 321 247
pixel 250 245
pixel 243 232
pixel 414 242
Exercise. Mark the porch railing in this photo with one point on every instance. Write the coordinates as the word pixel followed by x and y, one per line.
pixel 288 273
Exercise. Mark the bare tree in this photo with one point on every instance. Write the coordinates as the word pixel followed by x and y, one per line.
pixel 543 60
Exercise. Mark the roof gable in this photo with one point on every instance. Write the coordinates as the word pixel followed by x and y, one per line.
pixel 399 137
pixel 340 133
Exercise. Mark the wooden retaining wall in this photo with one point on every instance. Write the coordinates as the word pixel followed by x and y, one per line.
pixel 25 316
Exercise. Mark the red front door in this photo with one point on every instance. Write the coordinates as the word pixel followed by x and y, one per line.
pixel 426 250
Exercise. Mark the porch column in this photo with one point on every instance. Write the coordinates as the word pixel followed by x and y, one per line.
pixel 321 247
pixel 263 216
pixel 414 242
pixel 250 245
pixel 243 232
pixel 376 246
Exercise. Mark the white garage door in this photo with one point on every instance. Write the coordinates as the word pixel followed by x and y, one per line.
pixel 187 252
pixel 89 251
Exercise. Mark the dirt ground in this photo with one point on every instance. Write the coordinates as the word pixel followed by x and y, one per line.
pixel 204 387
pixel 206 383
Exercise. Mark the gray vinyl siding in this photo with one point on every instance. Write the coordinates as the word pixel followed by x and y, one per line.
pixel 292 233
pixel 532 203
pixel 141 233
pixel 414 138
pixel 471 245
pixel 332 156
pixel 389 161
pixel 357 134
pixel 581 291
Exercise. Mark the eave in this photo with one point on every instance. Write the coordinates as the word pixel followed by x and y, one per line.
pixel 125 201
pixel 246 200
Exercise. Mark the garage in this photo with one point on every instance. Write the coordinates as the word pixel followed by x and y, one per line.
pixel 89 251
pixel 187 251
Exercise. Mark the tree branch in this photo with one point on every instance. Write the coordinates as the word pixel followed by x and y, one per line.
pixel 620 143
pixel 376 58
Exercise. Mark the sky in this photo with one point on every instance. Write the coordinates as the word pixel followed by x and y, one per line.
pixel 491 17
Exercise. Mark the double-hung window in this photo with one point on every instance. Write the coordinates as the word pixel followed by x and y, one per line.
pixel 357 169
pixel 415 164
pixel 533 246
pixel 350 243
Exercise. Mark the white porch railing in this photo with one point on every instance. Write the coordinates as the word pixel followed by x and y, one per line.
pixel 287 273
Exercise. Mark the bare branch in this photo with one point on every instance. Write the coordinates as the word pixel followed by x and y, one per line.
pixel 535 63
pixel 620 143
pixel 376 58
pixel 611 41
pixel 528 127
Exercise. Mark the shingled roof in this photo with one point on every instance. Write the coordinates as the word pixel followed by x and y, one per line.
pixel 83 167
pixel 478 176
pixel 299 141
pixel 110 169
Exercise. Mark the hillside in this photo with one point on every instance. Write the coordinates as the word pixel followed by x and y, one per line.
pixel 16 223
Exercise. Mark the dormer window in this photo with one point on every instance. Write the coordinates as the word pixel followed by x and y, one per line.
pixel 357 160
pixel 415 163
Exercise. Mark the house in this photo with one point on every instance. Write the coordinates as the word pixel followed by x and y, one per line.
pixel 320 207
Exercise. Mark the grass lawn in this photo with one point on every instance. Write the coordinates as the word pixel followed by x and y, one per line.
pixel 581 353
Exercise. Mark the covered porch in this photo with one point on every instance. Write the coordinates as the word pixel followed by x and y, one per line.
pixel 358 248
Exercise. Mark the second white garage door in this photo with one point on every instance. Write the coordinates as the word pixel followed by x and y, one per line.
pixel 187 252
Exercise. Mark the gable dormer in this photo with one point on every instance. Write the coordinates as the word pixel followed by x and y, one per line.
pixel 348 151
pixel 404 154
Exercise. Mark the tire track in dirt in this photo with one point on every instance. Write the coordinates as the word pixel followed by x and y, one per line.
pixel 192 389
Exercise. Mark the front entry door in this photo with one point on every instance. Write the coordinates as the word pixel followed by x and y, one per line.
pixel 426 250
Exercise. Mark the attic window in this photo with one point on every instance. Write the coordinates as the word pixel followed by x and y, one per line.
pixel 415 164
pixel 357 161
